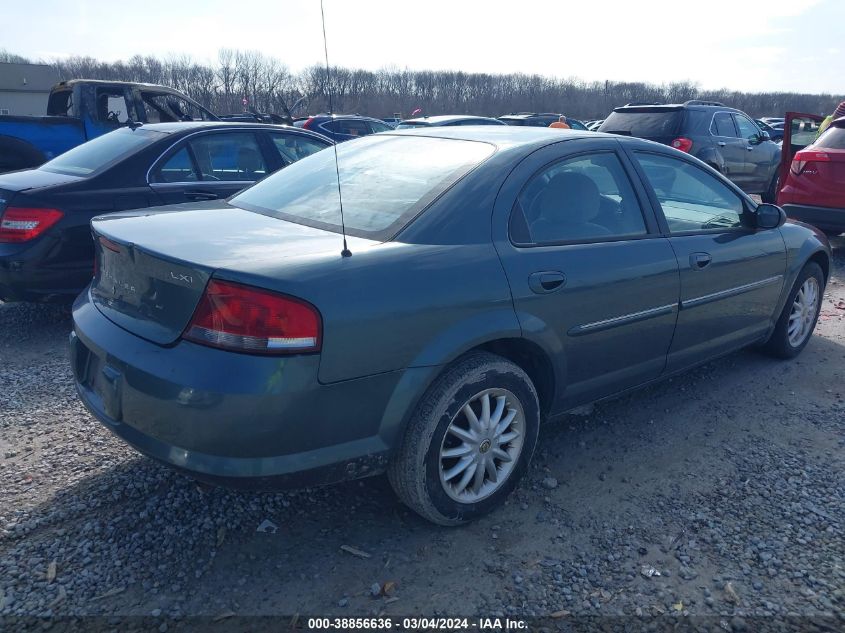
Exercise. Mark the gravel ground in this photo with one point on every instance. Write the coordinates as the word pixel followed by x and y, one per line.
pixel 721 492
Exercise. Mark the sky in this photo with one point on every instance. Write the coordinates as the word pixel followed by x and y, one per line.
pixel 748 45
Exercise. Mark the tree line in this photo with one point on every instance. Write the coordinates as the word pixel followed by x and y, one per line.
pixel 268 85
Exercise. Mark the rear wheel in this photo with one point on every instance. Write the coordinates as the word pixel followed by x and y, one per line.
pixel 469 442
pixel 799 316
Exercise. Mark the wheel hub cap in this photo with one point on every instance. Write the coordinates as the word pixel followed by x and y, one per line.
pixel 482 445
pixel 803 313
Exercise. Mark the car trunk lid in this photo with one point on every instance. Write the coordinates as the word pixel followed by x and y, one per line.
pixel 152 267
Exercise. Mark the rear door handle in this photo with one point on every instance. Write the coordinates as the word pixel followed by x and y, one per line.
pixel 721 143
pixel 200 195
pixel 699 261
pixel 546 281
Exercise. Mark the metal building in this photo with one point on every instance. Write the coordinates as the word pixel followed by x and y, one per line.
pixel 24 88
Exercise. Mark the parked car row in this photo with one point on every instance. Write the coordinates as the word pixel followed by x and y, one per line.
pixel 457 298
pixel 46 251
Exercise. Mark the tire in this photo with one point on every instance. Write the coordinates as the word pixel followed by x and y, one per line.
pixel 780 344
pixel 419 470
pixel 771 194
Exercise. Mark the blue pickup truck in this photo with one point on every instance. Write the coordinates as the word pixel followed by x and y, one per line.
pixel 81 109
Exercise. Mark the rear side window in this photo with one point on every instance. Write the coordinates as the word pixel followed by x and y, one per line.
pixel 293 147
pixel 177 168
pixel 112 106
pixel 691 198
pixel 101 152
pixel 644 123
pixel 385 181
pixel 723 125
pixel 349 127
pixel 832 138
pixel 230 156
pixel 584 198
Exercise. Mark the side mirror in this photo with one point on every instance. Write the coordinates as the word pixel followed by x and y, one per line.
pixel 765 136
pixel 770 216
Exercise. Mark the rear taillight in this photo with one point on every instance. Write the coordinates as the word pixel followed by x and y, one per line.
pixel 308 122
pixel 803 160
pixel 682 143
pixel 21 224
pixel 246 319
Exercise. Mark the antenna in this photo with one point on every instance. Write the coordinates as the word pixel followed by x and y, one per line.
pixel 345 252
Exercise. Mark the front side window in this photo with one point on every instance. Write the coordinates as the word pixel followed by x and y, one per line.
pixel 588 197
pixel 691 198
pixel 385 180
pixel 229 156
pixel 723 125
pixel 747 129
pixel 292 147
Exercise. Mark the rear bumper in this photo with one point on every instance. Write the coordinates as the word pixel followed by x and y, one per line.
pixel 235 419
pixel 32 272
pixel 825 218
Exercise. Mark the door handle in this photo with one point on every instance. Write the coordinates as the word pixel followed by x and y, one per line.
pixel 750 148
pixel 546 281
pixel 700 261
pixel 721 143
pixel 200 195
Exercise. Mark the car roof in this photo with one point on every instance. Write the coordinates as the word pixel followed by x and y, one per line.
pixel 446 118
pixel 506 136
pixel 174 127
pixel 670 107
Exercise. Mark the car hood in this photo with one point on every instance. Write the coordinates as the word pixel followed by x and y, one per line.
pixel 26 179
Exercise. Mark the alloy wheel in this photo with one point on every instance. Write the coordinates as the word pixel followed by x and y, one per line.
pixel 482 445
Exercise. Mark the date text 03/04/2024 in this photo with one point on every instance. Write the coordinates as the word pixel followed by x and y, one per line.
pixel 416 624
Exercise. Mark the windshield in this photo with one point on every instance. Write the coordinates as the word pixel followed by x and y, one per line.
pixel 385 182
pixel 101 152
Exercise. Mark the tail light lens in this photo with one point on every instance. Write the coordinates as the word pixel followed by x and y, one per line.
pixel 683 144
pixel 21 224
pixel 803 159
pixel 245 319
pixel 308 122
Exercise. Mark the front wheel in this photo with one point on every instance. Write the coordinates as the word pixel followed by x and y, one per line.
pixel 799 316
pixel 469 441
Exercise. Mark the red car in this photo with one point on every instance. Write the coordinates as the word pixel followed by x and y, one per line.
pixel 813 172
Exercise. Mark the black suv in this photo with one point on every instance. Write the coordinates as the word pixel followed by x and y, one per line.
pixel 726 139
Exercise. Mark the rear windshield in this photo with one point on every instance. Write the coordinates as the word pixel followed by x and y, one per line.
pixel 832 138
pixel 385 182
pixel 101 152
pixel 644 124
pixel 408 124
